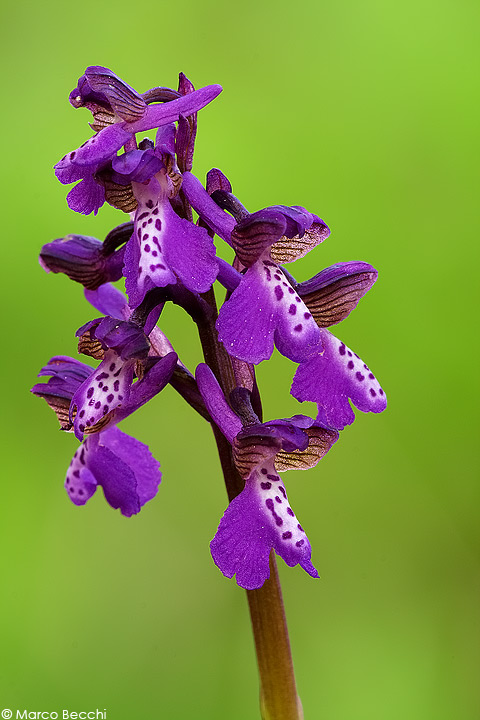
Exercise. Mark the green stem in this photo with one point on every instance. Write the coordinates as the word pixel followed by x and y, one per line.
pixel 278 693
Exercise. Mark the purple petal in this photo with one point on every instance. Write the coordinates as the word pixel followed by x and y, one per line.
pixel 190 252
pixel 331 377
pixel 109 300
pixel 256 521
pixel 334 292
pixel 216 180
pixel 213 397
pixel 100 147
pixel 161 114
pixel 126 469
pixel 265 307
pixel 257 232
pixel 218 220
pixel 123 99
pixel 86 197
pixel 150 385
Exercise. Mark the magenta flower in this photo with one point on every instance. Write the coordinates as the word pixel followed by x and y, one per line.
pixel 261 518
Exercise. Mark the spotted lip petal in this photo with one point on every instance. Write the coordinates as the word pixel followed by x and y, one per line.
pixel 123 466
pixel 165 246
pixel 257 520
pixel 107 388
pixel 265 309
pixel 333 376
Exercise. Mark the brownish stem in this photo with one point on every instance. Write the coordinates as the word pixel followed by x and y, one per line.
pixel 278 693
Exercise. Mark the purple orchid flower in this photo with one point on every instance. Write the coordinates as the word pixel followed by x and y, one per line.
pixel 260 517
pixel 123 466
pixel 127 113
pixel 87 260
pixel 264 309
pixel 267 307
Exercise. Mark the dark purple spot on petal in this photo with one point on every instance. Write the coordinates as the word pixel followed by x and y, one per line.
pixel 278 292
pixel 265 485
pixel 269 503
pixel 283 491
pixel 381 391
pixel 112 367
pixel 102 376
pixel 350 365
pixel 365 366
pixel 116 385
pixel 81 428
pixel 297 299
pixel 150 220
pixel 372 392
pixel 158 224
pixel 307 316
pixel 300 527
pixel 110 398
pixel 106 408
pixel 290 512
pixel 277 276
pixel 273 477
pixel 277 499
pixel 89 392
pixel 149 204
pixel 146 247
pixel 76 473
pixel 143 215
pixel 287 535
pixel 349 354
pixel 300 543
pixel 278 521
pixel 291 290
pixel 264 471
pixel 371 376
pixel 292 309
pixel 81 413
pixel 154 253
pixel 342 350
pixel 97 404
pixel 298 328
pixel 359 376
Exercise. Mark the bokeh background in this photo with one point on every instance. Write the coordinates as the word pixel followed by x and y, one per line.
pixel 366 113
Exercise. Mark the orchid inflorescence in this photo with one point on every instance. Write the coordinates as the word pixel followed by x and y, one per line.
pixel 165 256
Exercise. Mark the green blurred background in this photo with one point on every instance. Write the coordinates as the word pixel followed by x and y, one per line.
pixel 365 113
